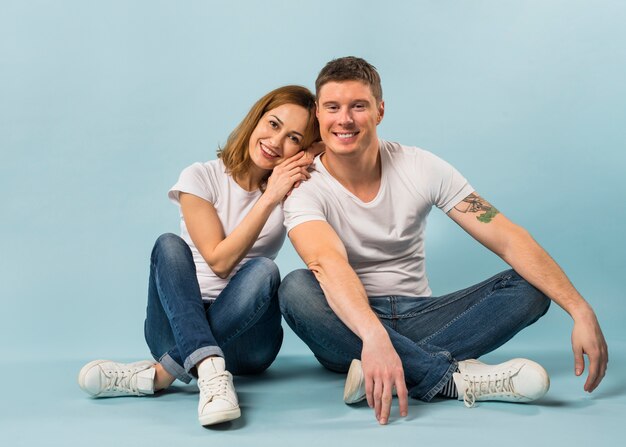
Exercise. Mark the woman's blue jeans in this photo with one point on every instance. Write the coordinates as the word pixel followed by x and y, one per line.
pixel 243 324
pixel 430 334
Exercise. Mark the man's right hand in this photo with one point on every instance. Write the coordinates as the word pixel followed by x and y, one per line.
pixel 382 372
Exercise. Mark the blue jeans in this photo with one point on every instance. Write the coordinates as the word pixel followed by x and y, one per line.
pixel 243 324
pixel 430 334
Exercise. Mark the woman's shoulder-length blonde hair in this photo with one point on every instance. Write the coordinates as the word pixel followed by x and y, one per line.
pixel 235 154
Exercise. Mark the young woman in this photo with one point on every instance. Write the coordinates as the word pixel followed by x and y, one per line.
pixel 212 297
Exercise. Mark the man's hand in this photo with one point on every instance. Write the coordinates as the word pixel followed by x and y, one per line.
pixel 382 372
pixel 587 339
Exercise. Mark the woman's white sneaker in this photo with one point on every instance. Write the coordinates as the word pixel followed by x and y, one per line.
pixel 104 378
pixel 518 380
pixel 218 400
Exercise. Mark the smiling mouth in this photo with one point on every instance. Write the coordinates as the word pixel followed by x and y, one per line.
pixel 268 152
pixel 345 135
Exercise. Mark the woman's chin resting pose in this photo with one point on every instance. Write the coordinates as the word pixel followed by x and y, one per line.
pixel 212 297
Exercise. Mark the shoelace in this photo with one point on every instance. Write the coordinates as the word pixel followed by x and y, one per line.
pixel 477 386
pixel 121 380
pixel 215 386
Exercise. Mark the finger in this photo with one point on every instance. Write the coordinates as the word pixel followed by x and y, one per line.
pixel 385 402
pixel 378 395
pixel 369 391
pixel 594 368
pixel 602 365
pixel 403 397
pixel 579 361
pixel 298 178
pixel 292 161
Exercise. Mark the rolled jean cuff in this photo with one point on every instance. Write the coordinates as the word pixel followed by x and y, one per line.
pixel 200 354
pixel 174 368
pixel 445 379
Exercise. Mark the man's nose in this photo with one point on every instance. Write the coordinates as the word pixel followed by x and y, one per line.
pixel 345 118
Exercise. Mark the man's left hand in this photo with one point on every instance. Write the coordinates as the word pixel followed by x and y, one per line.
pixel 587 339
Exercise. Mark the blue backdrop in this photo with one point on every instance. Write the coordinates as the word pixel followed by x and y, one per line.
pixel 103 103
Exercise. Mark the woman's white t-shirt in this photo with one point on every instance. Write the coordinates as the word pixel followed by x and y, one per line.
pixel 211 182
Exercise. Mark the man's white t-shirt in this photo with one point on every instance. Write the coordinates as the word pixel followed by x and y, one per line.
pixel 384 238
pixel 211 182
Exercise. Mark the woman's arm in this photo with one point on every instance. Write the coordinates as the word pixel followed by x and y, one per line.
pixel 222 253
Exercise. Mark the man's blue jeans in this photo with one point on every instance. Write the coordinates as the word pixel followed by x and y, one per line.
pixel 242 324
pixel 430 334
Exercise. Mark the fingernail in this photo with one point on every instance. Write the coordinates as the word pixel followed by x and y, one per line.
pixel 578 372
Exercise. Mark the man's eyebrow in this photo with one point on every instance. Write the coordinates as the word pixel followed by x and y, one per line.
pixel 282 124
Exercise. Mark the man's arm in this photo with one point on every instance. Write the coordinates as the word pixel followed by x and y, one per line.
pixel 518 249
pixel 326 257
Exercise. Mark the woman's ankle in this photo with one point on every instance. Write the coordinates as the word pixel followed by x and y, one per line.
pixel 162 378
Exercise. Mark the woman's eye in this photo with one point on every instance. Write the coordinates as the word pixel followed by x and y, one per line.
pixel 295 139
pixel 273 124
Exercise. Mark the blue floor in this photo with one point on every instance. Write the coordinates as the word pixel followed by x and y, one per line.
pixel 297 402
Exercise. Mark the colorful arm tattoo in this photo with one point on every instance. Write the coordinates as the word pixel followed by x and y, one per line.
pixel 476 204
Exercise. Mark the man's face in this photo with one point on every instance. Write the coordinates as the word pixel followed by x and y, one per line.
pixel 348 116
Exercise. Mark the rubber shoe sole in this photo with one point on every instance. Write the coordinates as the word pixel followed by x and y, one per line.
pixel 354 389
pixel 219 417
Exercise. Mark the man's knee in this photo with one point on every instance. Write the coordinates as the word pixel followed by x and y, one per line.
pixel 295 289
pixel 534 302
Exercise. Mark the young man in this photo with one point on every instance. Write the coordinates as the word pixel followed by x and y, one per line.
pixel 365 294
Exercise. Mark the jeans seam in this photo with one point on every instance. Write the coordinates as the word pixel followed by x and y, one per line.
pixel 460 296
pixel 449 323
pixel 445 379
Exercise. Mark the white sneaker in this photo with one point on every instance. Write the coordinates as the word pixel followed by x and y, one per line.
pixel 354 389
pixel 218 400
pixel 518 380
pixel 104 378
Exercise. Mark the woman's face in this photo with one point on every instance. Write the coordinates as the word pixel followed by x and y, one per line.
pixel 278 135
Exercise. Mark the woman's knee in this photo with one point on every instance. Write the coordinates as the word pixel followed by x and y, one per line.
pixel 170 246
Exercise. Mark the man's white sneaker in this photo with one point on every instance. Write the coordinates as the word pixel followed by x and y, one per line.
pixel 354 389
pixel 218 400
pixel 518 380
pixel 104 378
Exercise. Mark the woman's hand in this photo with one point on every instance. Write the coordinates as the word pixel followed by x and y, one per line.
pixel 287 175
pixel 314 150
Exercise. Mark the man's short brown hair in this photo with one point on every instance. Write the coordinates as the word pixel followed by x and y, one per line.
pixel 350 68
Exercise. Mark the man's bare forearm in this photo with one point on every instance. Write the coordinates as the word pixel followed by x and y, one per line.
pixel 535 265
pixel 346 296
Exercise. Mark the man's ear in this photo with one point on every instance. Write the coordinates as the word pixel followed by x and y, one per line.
pixel 381 111
pixel 317 109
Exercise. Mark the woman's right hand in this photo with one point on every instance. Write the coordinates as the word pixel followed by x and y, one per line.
pixel 286 176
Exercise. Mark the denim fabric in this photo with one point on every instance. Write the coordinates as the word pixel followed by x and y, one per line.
pixel 430 334
pixel 243 324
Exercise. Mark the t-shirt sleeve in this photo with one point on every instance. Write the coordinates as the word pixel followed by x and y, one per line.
pixel 197 180
pixel 303 205
pixel 446 187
